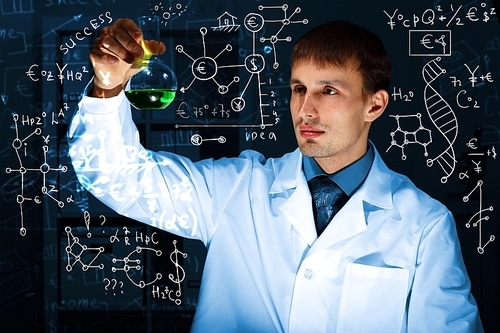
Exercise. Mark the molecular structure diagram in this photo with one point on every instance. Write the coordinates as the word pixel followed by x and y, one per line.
pixel 401 138
pixel 77 257
pixel 128 264
pixel 285 21
pixel 477 219
pixel 47 190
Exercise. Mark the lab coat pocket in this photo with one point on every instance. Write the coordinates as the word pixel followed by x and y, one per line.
pixel 373 299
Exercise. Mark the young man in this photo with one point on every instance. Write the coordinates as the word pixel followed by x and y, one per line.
pixel 388 261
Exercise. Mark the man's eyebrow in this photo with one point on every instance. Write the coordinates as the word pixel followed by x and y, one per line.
pixel 339 83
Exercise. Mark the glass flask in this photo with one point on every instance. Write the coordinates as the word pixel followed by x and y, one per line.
pixel 149 83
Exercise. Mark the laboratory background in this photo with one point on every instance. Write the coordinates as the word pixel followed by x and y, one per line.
pixel 69 264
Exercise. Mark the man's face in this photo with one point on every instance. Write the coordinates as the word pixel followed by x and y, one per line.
pixel 329 114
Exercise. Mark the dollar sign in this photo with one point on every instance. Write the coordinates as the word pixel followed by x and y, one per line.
pixel 254 68
pixel 486 17
pixel 181 274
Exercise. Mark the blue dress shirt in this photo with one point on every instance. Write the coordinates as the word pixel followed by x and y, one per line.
pixel 350 178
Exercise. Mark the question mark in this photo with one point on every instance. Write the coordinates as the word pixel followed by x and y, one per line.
pixel 103 220
pixel 114 294
pixel 106 287
pixel 121 286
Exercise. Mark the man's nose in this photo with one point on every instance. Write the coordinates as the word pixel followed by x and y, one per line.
pixel 306 107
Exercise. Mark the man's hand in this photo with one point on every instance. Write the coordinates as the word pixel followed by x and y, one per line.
pixel 116 48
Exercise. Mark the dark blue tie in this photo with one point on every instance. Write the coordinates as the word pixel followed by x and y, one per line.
pixel 325 194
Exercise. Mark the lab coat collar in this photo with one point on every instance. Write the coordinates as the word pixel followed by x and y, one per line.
pixel 298 206
pixel 350 220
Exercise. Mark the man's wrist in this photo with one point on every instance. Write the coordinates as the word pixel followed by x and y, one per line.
pixel 105 93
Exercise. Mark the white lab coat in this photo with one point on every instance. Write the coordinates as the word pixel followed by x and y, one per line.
pixel 389 261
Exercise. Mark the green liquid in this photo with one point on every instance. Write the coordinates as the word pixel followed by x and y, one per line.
pixel 147 99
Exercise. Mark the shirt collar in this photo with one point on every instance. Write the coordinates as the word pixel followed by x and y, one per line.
pixel 349 178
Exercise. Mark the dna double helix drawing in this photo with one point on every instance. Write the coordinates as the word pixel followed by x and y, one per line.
pixel 442 116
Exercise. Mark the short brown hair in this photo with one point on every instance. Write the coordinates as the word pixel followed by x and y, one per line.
pixel 341 44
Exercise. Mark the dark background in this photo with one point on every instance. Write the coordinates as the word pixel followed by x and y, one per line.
pixel 62 253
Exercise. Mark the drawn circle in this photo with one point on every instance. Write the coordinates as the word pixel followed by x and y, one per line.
pixel 22 231
pixel 196 139
pixel 221 139
pixel 255 63
pixel 237 104
pixel 223 89
pixel 17 144
pixel 253 22
pixel 44 168
pixel 204 68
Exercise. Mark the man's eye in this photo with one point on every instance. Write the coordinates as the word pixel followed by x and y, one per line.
pixel 329 91
pixel 299 90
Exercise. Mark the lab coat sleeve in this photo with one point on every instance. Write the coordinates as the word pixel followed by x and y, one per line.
pixel 161 189
pixel 440 299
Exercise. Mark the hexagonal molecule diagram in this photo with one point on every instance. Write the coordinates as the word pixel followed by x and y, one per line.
pixel 418 134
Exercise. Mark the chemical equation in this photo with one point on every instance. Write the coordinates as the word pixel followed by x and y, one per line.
pixel 454 15
pixel 34 73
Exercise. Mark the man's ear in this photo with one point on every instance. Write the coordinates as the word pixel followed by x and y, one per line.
pixel 379 101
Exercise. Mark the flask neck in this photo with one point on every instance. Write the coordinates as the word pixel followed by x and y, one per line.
pixel 150 27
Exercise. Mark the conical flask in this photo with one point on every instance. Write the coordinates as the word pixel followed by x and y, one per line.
pixel 153 84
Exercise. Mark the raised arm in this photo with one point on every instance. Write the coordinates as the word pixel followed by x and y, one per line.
pixel 114 51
